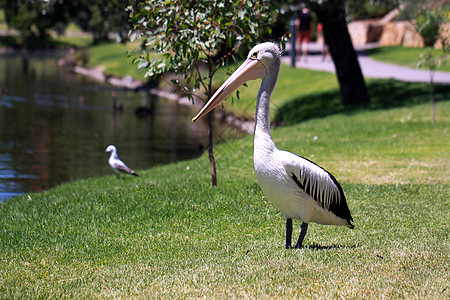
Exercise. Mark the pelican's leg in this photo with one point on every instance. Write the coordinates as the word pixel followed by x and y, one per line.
pixel 302 235
pixel 288 233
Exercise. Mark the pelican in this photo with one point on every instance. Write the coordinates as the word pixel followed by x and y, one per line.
pixel 116 164
pixel 299 188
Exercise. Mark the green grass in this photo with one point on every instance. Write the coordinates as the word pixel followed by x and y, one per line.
pixel 292 83
pixel 3 24
pixel 56 42
pixel 383 94
pixel 73 41
pixel 113 58
pixel 404 56
pixel 169 234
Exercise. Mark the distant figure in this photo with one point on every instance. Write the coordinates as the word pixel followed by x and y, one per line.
pixel 81 99
pixel 321 38
pixel 303 24
pixel 117 106
pixel 116 164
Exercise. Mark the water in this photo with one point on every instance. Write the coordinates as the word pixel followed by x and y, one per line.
pixel 55 127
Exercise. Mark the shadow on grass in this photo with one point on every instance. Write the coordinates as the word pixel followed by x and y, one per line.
pixel 383 93
pixel 9 41
pixel 373 51
pixel 33 43
pixel 315 246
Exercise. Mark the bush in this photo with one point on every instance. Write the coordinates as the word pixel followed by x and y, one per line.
pixel 428 24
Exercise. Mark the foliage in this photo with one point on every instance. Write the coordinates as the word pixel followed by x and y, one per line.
pixel 35 18
pixel 187 34
pixel 432 62
pixel 191 36
pixel 363 9
pixel 113 58
pixel 355 9
pixel 429 24
pixel 101 17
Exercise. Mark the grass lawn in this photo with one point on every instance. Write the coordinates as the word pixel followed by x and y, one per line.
pixel 3 24
pixel 113 57
pixel 56 42
pixel 169 234
pixel 404 56
pixel 287 89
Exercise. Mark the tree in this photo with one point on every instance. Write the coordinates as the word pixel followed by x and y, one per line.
pixel 372 9
pixel 185 36
pixel 429 23
pixel 331 13
pixel 35 18
pixel 100 17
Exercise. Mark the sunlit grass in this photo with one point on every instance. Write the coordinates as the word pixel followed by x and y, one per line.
pixel 291 84
pixel 54 42
pixel 3 24
pixel 169 234
pixel 74 41
pixel 113 57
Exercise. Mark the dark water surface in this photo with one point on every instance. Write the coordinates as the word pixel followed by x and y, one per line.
pixel 55 126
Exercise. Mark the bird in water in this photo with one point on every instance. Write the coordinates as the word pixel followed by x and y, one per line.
pixel 116 164
pixel 298 187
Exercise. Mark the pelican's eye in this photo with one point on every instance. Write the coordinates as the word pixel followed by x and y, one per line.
pixel 255 54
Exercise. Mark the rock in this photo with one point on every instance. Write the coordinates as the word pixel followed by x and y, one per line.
pixel 390 33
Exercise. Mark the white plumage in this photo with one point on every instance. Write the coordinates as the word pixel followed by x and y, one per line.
pixel 299 188
pixel 116 164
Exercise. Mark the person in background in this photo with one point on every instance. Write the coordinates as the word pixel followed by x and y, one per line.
pixel 321 39
pixel 303 24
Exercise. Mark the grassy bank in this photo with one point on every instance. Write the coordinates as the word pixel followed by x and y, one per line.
pixel 113 57
pixel 404 56
pixel 169 234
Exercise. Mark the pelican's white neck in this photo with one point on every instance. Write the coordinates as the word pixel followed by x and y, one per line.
pixel 262 114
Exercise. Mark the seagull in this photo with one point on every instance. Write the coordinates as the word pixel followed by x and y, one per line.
pixel 116 164
pixel 299 188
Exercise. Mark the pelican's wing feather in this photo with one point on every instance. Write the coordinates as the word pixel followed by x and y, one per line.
pixel 318 183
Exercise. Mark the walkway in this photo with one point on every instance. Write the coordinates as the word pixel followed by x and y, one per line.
pixel 369 67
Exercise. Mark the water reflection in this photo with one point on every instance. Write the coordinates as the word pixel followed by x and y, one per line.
pixel 55 126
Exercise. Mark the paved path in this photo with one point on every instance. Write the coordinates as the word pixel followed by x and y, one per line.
pixel 369 67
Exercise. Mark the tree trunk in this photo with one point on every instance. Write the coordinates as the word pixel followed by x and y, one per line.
pixel 210 149
pixel 331 14
pixel 433 105
pixel 210 116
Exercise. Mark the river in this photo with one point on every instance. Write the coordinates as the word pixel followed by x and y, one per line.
pixel 56 125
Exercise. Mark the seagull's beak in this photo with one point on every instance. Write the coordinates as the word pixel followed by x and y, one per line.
pixel 251 69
